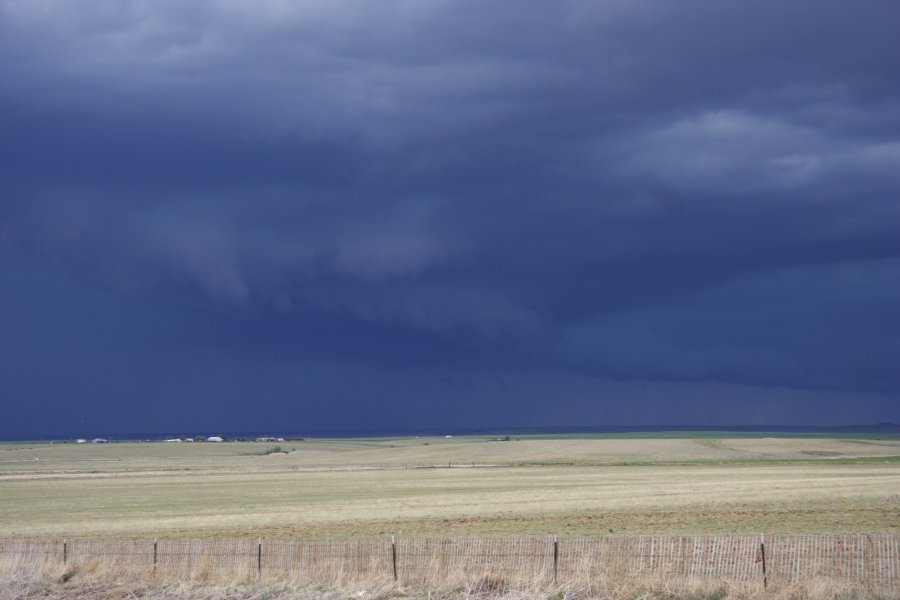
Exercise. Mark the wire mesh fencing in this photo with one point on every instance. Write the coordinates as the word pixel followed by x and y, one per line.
pixel 871 561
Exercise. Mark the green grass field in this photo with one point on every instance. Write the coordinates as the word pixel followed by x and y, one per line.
pixel 403 486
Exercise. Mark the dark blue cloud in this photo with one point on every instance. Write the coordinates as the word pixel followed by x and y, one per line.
pixel 416 202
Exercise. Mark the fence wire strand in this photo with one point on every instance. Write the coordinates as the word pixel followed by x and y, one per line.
pixel 868 559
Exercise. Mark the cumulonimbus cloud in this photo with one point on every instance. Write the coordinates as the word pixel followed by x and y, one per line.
pixel 517 175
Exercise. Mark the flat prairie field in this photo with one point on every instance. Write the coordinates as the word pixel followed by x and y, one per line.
pixel 367 488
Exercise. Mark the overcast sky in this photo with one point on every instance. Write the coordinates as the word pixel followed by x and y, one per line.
pixel 334 214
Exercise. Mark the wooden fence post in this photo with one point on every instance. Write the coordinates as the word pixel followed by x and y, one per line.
pixel 65 551
pixel 555 557
pixel 394 556
pixel 154 554
pixel 259 557
pixel 762 552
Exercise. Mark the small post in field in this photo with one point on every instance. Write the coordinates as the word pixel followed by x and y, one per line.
pixel 65 551
pixel 259 556
pixel 394 556
pixel 555 556
pixel 762 553
pixel 154 554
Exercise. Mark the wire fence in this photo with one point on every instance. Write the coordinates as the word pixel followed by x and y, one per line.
pixel 872 561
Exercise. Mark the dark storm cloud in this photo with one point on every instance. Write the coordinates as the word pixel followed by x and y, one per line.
pixel 629 191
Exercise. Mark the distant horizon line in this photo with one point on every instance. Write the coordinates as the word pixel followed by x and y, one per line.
pixel 880 427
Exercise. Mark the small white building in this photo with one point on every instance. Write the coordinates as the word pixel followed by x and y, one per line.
pixel 81 441
pixel 99 441
pixel 176 440
pixel 215 438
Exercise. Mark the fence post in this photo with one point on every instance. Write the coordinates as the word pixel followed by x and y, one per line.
pixel 555 556
pixel 762 552
pixel 394 556
pixel 65 551
pixel 154 554
pixel 259 557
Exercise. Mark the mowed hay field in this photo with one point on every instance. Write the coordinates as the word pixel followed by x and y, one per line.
pixel 379 487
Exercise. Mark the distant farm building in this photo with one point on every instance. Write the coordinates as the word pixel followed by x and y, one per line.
pixel 215 438
pixel 265 439
pixel 99 441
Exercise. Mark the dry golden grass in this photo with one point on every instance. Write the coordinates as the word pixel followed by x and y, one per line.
pixel 329 454
pixel 371 488
pixel 375 488
pixel 103 582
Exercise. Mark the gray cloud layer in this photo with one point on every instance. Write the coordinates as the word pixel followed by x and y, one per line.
pixel 629 190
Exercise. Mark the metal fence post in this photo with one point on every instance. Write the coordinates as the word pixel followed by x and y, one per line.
pixel 555 556
pixel 394 556
pixel 762 552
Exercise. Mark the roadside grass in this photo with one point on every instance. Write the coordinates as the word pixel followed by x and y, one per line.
pixel 101 583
